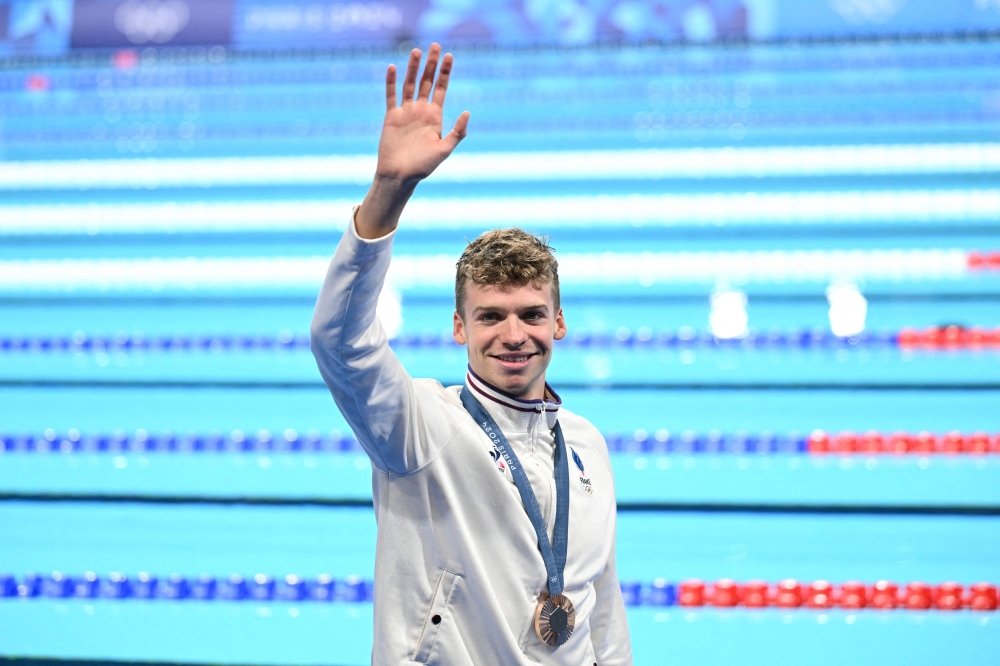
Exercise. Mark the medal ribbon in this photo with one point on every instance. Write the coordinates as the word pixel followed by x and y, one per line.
pixel 554 555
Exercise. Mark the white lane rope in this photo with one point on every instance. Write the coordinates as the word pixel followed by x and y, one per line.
pixel 641 164
pixel 438 271
pixel 540 213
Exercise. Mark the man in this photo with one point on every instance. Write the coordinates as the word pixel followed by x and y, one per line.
pixel 495 506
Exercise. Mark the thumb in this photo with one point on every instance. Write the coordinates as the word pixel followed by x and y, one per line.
pixel 458 132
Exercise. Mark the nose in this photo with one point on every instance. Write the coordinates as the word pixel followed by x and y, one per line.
pixel 512 335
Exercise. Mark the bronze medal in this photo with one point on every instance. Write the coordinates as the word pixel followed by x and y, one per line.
pixel 555 618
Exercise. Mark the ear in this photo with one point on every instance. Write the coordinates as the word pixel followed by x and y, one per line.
pixel 458 332
pixel 561 329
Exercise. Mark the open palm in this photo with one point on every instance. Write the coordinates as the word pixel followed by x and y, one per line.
pixel 411 146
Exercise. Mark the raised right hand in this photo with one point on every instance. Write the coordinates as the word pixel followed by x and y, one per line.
pixel 411 146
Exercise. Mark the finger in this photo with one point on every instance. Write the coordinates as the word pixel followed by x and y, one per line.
pixel 427 81
pixel 441 89
pixel 390 88
pixel 410 82
pixel 458 132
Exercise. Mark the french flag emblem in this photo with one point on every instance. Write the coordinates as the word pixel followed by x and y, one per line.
pixel 498 459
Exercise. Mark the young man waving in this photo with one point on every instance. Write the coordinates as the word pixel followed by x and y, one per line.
pixel 495 505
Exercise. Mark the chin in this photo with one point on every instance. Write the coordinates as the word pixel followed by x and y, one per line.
pixel 513 385
pixel 516 384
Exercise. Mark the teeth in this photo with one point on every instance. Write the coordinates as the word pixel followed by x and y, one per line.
pixel 513 359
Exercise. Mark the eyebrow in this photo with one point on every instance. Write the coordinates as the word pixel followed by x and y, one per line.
pixel 539 306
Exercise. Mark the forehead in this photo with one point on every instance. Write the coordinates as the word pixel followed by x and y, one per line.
pixel 510 297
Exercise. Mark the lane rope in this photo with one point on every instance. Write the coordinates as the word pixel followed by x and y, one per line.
pixel 951 337
pixel 657 442
pixel 691 593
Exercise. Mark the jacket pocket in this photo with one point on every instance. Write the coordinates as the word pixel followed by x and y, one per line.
pixel 437 615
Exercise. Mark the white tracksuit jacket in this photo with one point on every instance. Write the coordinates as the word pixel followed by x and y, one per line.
pixel 458 572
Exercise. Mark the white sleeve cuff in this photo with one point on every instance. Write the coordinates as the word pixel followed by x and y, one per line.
pixel 374 244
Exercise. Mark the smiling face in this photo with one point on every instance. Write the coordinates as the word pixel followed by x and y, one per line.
pixel 510 330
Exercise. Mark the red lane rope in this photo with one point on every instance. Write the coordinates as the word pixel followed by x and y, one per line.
pixel 820 594
pixel 925 443
pixel 983 261
pixel 948 337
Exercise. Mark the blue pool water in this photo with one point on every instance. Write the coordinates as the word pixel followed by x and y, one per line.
pixel 132 180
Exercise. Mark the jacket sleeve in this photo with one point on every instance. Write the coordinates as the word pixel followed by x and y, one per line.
pixel 374 393
pixel 608 623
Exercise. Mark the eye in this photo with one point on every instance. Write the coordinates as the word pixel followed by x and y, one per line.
pixel 533 316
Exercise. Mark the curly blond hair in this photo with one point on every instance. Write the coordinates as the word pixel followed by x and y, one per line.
pixel 506 257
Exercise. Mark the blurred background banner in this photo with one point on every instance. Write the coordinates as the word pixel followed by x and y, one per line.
pixel 55 26
pixel 117 23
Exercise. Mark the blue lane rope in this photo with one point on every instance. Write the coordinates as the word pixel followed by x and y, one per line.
pixel 622 338
pixel 290 441
pixel 117 585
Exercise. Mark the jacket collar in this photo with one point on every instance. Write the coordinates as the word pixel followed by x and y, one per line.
pixel 518 412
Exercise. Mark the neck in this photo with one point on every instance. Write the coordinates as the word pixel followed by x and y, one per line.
pixel 547 402
pixel 534 391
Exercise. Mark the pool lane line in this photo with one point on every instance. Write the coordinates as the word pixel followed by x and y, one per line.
pixel 254 301
pixel 624 507
pixel 566 210
pixel 842 231
pixel 578 270
pixel 245 299
pixel 569 386
pixel 127 498
pixel 515 166
pixel 51 661
pixel 817 509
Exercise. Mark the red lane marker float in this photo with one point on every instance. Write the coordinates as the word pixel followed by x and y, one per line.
pixel 820 595
pixel 725 593
pixel 885 595
pixel 982 597
pixel 900 443
pixel 755 594
pixel 125 59
pixel 851 595
pixel 788 594
pixel 948 337
pixel 983 261
pixel 37 83
pixel 692 593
